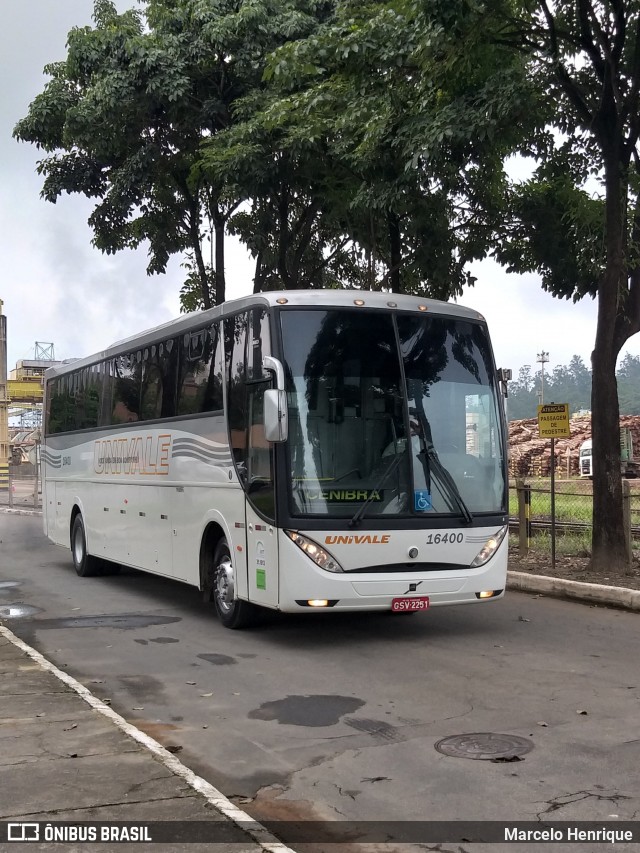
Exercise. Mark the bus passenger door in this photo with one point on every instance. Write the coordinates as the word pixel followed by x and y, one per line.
pixel 246 344
pixel 262 539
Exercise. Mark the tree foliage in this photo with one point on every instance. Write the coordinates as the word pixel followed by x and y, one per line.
pixel 391 122
pixel 347 144
pixel 122 120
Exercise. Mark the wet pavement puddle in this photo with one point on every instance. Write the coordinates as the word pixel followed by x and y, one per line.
pixel 321 710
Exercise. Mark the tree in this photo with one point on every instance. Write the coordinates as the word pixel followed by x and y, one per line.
pixel 289 221
pixel 585 55
pixel 522 400
pixel 580 384
pixel 565 384
pixel 393 119
pixel 123 118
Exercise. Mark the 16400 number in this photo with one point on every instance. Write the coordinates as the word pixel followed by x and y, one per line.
pixel 443 538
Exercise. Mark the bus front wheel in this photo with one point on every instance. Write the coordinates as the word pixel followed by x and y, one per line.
pixel 232 612
pixel 86 566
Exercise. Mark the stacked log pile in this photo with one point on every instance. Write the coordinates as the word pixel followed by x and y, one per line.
pixel 530 456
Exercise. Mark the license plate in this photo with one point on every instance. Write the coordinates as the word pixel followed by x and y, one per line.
pixel 408 605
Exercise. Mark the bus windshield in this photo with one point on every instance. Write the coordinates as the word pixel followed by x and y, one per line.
pixel 399 413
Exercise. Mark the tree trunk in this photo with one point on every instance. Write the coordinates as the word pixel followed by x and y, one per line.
pixel 283 238
pixel 395 252
pixel 193 225
pixel 219 226
pixel 258 278
pixel 609 545
pixel 202 269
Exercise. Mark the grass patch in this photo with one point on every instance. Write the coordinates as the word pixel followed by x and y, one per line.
pixel 575 506
pixel 567 545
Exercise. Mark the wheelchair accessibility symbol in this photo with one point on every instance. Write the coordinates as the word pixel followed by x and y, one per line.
pixel 422 500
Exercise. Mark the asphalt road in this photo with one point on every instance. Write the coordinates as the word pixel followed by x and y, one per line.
pixel 338 716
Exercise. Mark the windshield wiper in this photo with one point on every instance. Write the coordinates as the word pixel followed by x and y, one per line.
pixel 431 464
pixel 445 480
pixel 383 479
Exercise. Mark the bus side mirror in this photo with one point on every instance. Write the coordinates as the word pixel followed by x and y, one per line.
pixel 276 416
pixel 504 376
pixel 276 422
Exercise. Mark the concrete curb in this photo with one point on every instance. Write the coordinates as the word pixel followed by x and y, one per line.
pixel 589 593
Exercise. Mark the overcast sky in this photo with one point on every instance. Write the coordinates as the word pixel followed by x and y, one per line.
pixel 57 289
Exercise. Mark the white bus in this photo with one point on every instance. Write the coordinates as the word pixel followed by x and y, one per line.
pixel 629 465
pixel 585 458
pixel 299 450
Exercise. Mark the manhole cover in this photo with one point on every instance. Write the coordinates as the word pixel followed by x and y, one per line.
pixel 484 746
pixel 18 611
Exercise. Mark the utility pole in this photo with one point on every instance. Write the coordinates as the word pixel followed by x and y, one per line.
pixel 542 359
pixel 4 406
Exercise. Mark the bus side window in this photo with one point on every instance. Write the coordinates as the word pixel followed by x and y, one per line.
pixel 259 453
pixel 168 359
pixel 235 332
pixel 246 343
pixel 200 386
pixel 259 450
pixel 151 390
pixel 259 344
pixel 212 400
pixel 93 394
pixel 107 372
pixel 126 398
pixel 61 406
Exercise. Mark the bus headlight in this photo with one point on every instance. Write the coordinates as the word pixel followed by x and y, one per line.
pixel 490 547
pixel 316 552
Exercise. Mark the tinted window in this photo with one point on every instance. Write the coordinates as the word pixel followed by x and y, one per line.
pixel 88 399
pixel 169 357
pixel 151 389
pixel 246 343
pixel 258 344
pixel 236 332
pixel 61 406
pixel 201 381
pixel 126 397
pixel 106 370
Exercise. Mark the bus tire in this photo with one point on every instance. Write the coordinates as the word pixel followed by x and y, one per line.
pixel 86 566
pixel 232 612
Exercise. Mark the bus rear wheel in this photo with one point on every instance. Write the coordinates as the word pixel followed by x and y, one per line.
pixel 86 565
pixel 232 612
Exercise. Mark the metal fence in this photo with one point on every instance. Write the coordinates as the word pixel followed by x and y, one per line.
pixel 24 488
pixel 530 515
